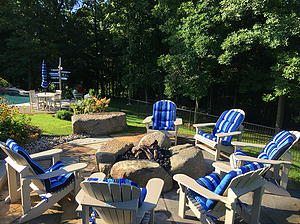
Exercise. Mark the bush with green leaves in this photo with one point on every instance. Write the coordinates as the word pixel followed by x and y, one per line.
pixel 13 124
pixel 3 83
pixel 90 105
pixel 64 115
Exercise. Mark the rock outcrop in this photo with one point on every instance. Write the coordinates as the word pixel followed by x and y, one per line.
pixel 107 153
pixel 140 171
pixel 162 139
pixel 187 159
pixel 99 123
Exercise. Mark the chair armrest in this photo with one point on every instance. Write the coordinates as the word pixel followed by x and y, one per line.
pixel 154 188
pixel 203 125
pixel 246 144
pixel 193 185
pixel 147 119
pixel 178 121
pixel 45 153
pixel 222 135
pixel 67 169
pixel 219 166
pixel 253 159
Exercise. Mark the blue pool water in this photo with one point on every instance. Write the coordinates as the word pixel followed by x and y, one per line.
pixel 15 97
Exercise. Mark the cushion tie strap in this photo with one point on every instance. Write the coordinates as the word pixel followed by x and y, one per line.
pixel 213 218
pixel 43 197
pixel 240 204
pixel 92 218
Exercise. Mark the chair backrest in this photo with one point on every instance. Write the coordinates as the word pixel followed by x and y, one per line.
pixel 32 96
pixel 23 159
pixel 164 115
pixel 113 190
pixel 229 121
pixel 279 145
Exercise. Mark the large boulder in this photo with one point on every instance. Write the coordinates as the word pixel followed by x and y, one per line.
pixel 99 123
pixel 140 171
pixel 162 139
pixel 187 159
pixel 107 153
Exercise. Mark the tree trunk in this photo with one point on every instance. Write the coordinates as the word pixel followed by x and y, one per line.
pixel 280 113
pixel 196 109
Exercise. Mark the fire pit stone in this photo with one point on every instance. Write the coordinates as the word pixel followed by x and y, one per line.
pixel 162 139
pixel 107 153
pixel 140 171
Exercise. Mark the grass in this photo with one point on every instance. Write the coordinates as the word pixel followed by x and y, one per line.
pixel 52 126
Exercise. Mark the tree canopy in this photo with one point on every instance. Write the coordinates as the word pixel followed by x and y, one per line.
pixel 210 53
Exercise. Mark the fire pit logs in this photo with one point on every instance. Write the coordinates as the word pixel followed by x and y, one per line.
pixel 151 152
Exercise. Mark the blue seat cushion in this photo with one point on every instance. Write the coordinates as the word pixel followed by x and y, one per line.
pixel 210 182
pixel 18 149
pixel 208 204
pixel 51 185
pixel 277 146
pixel 121 181
pixel 58 182
pixel 164 115
pixel 229 121
pixel 241 153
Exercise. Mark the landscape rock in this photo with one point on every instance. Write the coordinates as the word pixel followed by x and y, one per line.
pixel 162 139
pixel 140 171
pixel 187 159
pixel 99 123
pixel 107 153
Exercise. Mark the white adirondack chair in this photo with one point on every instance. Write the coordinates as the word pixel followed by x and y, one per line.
pixel 219 141
pixel 164 119
pixel 115 204
pixel 228 203
pixel 279 145
pixel 17 164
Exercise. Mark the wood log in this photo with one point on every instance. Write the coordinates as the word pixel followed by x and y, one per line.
pixel 135 149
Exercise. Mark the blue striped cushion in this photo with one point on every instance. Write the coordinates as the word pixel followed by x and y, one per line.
pixel 277 146
pixel 164 115
pixel 208 204
pixel 240 153
pixel 51 185
pixel 18 149
pixel 58 182
pixel 229 121
pixel 122 181
pixel 210 182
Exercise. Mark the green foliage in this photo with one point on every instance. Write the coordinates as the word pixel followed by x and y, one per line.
pixel 3 83
pixel 64 115
pixel 13 124
pixel 92 92
pixel 90 105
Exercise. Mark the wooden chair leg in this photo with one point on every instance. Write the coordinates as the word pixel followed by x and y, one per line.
pixel 182 201
pixel 12 184
pixel 25 191
pixel 256 205
pixel 85 214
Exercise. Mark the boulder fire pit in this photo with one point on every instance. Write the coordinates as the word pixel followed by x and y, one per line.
pixel 150 159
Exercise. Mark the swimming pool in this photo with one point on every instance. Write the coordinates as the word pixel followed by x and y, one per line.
pixel 15 97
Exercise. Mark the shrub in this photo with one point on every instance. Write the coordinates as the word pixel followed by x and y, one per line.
pixel 3 83
pixel 90 105
pixel 13 124
pixel 64 115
